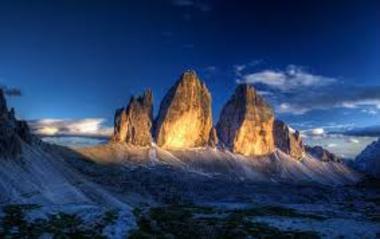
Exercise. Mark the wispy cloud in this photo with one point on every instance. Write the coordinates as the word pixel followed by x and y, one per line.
pixel 91 127
pixel 314 132
pixel 366 99
pixel 341 145
pixel 297 91
pixel 291 79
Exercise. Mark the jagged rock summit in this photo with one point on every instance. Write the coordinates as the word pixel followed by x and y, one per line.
pixel 185 117
pixel 13 132
pixel 246 123
pixel 322 154
pixel 133 124
pixel 368 160
pixel 288 141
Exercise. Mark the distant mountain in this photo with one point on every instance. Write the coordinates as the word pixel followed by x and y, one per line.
pixel 369 159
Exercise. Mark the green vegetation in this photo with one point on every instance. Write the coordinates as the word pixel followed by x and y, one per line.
pixel 187 222
pixel 276 211
pixel 13 224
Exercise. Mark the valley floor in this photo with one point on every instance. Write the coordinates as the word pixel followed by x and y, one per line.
pixel 267 212
pixel 105 193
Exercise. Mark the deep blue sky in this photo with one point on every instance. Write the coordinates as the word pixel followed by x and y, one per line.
pixel 82 59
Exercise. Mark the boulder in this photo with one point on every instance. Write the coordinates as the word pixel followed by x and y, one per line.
pixel 133 124
pixel 185 116
pixel 246 123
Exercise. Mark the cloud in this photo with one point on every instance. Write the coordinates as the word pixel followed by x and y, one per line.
pixel 341 145
pixel 91 127
pixel 363 98
pixel 240 69
pixel 370 111
pixel 346 146
pixel 316 132
pixel 290 108
pixel 353 140
pixel 361 102
pixel 292 79
pixel 297 91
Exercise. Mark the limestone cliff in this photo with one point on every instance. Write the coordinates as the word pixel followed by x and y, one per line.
pixel 185 117
pixel 287 141
pixel 246 123
pixel 133 124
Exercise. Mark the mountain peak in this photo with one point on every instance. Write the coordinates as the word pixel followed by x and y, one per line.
pixel 185 117
pixel 133 123
pixel 246 123
pixel 368 160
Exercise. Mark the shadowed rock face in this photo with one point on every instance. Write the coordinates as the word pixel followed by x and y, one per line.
pixel 287 141
pixel 185 118
pixel 322 154
pixel 3 106
pixel 133 124
pixel 246 123
pixel 368 160
pixel 12 132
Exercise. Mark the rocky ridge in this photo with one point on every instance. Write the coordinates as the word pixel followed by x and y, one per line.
pixel 368 160
pixel 322 154
pixel 133 124
pixel 288 141
pixel 12 131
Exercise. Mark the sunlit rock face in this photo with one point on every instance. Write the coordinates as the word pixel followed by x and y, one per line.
pixel 246 123
pixel 322 154
pixel 185 118
pixel 13 132
pixel 133 124
pixel 287 141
